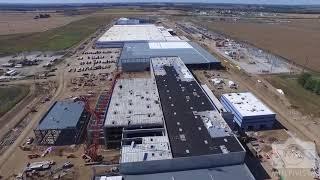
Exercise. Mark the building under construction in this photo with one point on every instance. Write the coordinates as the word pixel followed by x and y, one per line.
pixel 63 124
pixel 134 111
pixel 168 123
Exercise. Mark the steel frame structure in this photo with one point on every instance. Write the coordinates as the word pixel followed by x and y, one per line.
pixel 66 136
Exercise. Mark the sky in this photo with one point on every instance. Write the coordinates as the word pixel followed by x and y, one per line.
pixel 288 2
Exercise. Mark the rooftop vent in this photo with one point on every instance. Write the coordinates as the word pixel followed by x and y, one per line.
pixel 182 137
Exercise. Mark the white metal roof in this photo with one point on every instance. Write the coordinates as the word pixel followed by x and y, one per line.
pixel 169 45
pixel 247 104
pixel 141 32
pixel 111 178
pixel 151 148
pixel 132 33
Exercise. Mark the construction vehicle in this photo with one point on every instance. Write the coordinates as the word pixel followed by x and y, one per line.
pixel 25 148
pixel 71 156
pixel 29 140
pixel 33 156
pixel 42 165
pixel 67 165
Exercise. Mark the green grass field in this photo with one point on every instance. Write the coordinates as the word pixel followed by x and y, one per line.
pixel 60 38
pixel 306 101
pixel 10 96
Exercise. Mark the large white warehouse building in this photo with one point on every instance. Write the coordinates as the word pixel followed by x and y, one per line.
pixel 117 35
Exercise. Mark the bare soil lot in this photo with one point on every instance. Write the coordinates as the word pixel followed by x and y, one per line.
pixel 296 40
pixel 24 22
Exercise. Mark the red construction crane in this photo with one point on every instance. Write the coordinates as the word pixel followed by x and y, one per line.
pixel 96 120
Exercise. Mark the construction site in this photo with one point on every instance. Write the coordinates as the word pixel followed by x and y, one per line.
pixel 244 56
pixel 144 101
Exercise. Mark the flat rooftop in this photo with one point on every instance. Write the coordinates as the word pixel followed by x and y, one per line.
pixel 62 115
pixel 189 52
pixel 247 104
pixel 151 148
pixel 137 33
pixel 134 102
pixel 188 112
pixel 239 172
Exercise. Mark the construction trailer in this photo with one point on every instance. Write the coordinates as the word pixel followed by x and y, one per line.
pixel 63 124
pixel 249 112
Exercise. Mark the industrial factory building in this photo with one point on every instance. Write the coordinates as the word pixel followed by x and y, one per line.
pixel 249 112
pixel 117 35
pixel 134 112
pixel 136 56
pixel 167 126
pixel 168 123
pixel 140 42
pixel 64 124
pixel 133 21
pixel 238 172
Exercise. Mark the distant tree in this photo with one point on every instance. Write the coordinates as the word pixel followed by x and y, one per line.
pixel 303 78
pixel 310 84
pixel 44 15
pixel 317 87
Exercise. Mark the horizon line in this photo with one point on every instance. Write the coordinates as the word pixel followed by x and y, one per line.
pixel 78 3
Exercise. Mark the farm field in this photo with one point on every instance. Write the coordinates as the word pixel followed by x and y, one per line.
pixel 296 39
pixel 56 39
pixel 24 22
pixel 10 96
pixel 305 101
pixel 60 33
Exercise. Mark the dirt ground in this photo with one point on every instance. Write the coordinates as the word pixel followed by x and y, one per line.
pixel 13 159
pixel 24 22
pixel 206 76
pixel 297 40
pixel 305 127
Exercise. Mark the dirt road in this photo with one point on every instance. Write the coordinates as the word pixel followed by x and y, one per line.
pixel 14 159
pixel 36 118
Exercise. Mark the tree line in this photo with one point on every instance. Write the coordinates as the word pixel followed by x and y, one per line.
pixel 309 82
